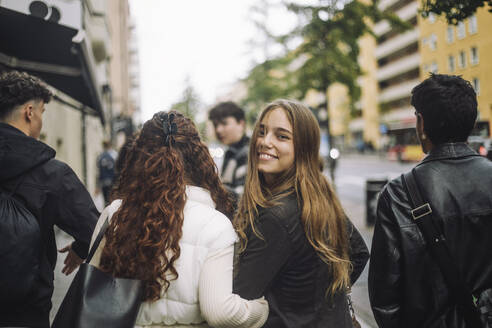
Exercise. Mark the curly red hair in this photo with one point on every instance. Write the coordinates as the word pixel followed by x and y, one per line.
pixel 142 240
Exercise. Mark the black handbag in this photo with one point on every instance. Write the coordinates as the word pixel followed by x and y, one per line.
pixel 477 311
pixel 96 299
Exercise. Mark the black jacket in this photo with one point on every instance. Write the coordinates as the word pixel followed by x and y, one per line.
pixel 54 194
pixel 406 288
pixel 285 268
pixel 235 164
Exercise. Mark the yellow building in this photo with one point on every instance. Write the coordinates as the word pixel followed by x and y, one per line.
pixel 398 61
pixel 463 50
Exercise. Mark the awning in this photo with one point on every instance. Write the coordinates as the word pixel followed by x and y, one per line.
pixel 47 50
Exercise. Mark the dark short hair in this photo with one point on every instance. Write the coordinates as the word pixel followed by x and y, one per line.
pixel 226 109
pixel 448 105
pixel 17 88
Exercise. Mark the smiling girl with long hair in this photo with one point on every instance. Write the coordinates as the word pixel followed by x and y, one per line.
pixel 297 246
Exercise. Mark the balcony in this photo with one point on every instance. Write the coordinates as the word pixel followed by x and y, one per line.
pixel 398 91
pixel 383 4
pixel 405 14
pixel 398 67
pixel 397 43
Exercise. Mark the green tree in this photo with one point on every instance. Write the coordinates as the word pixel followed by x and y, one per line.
pixel 269 78
pixel 454 11
pixel 331 31
pixel 190 101
pixel 327 52
pixel 268 81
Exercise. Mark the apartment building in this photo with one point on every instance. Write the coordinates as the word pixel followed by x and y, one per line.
pixel 463 50
pixel 68 43
pixel 397 61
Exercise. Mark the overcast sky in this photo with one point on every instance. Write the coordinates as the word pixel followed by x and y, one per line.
pixel 204 40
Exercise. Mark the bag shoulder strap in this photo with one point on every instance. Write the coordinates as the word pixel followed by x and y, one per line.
pixel 98 239
pixel 423 216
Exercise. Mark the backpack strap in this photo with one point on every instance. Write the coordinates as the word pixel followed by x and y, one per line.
pixel 436 244
pixel 98 239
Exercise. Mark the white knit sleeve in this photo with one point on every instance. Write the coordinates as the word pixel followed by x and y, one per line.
pixel 219 306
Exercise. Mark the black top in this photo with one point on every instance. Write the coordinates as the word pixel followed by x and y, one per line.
pixel 235 164
pixel 406 287
pixel 284 268
pixel 54 194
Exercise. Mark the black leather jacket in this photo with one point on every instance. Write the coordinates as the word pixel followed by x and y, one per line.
pixel 284 268
pixel 54 194
pixel 406 288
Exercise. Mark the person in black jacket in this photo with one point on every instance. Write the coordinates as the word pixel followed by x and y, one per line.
pixel 297 247
pixel 406 286
pixel 230 127
pixel 48 188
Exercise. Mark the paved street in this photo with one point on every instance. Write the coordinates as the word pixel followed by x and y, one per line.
pixel 350 180
pixel 351 175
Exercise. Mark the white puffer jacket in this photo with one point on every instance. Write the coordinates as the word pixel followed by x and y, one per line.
pixel 204 230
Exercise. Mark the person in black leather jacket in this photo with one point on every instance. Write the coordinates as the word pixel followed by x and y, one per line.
pixel 406 287
pixel 48 188
pixel 297 247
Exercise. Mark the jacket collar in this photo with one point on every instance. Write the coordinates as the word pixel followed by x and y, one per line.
pixel 449 151
pixel 235 147
pixel 199 195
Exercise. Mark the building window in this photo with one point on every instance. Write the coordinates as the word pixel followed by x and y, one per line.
pixel 432 18
pixel 472 24
pixel 462 59
pixel 433 67
pixel 433 42
pixel 474 56
pixel 461 30
pixel 451 64
pixel 476 85
pixel 450 34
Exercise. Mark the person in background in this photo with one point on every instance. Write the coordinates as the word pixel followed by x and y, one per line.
pixel 170 227
pixel 406 286
pixel 49 190
pixel 230 126
pixel 297 247
pixel 106 171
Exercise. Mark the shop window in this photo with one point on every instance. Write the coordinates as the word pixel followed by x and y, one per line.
pixel 451 64
pixel 462 59
pixel 450 34
pixel 474 56
pixel 461 30
pixel 472 24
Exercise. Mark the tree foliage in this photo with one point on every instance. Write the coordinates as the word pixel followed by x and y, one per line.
pixel 268 81
pixel 330 31
pixel 190 101
pixel 454 11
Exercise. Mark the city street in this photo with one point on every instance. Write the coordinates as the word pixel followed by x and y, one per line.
pixel 351 175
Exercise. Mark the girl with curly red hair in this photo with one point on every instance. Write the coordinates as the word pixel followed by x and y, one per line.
pixel 170 228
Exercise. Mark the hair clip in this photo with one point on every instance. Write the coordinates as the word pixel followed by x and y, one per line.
pixel 169 127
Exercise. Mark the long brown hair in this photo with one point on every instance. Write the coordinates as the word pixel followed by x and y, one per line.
pixel 322 214
pixel 142 241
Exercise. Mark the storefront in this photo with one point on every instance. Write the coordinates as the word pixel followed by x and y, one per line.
pixel 44 46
